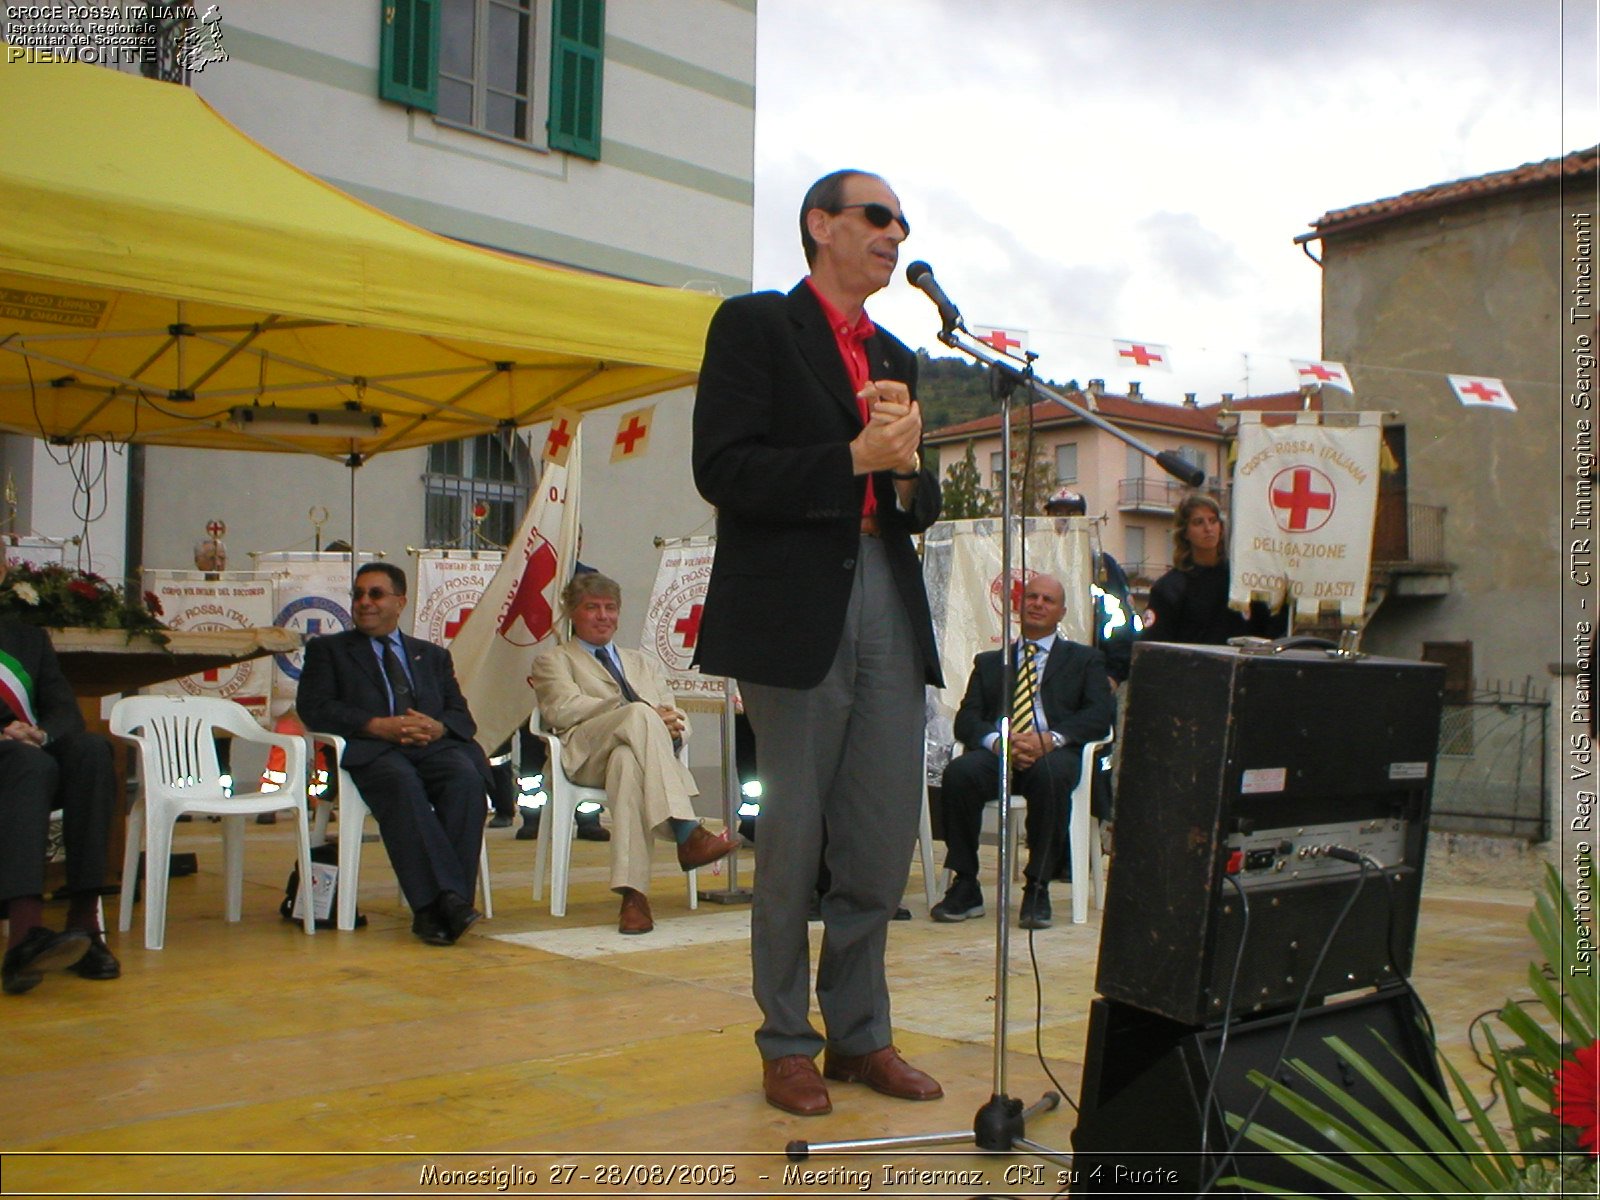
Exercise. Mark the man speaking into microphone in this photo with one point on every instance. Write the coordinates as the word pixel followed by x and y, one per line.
pixel 807 439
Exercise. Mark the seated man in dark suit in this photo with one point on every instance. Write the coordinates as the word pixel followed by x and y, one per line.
pixel 410 749
pixel 1062 701
pixel 47 761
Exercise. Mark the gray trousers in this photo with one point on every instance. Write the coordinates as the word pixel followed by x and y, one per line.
pixel 845 755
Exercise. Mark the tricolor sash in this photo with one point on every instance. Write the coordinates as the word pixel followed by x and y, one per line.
pixel 16 688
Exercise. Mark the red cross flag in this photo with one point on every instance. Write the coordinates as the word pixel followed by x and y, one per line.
pixel 1012 342
pixel 558 442
pixel 1304 499
pixel 1479 391
pixel 1148 356
pixel 1328 374
pixel 519 613
pixel 633 434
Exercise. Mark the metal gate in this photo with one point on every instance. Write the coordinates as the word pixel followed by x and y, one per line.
pixel 1491 777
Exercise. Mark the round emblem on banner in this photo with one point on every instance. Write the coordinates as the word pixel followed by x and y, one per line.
pixel 1019 583
pixel 223 683
pixel 448 608
pixel 678 612
pixel 1302 499
pixel 312 616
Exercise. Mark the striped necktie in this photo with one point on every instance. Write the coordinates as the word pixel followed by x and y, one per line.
pixel 1027 690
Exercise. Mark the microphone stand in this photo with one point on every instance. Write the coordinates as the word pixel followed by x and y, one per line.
pixel 1000 1124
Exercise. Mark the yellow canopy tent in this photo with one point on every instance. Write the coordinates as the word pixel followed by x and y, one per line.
pixel 164 279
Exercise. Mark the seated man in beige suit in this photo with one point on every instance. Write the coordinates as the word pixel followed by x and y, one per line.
pixel 620 729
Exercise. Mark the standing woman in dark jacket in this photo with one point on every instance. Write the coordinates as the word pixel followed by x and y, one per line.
pixel 1190 602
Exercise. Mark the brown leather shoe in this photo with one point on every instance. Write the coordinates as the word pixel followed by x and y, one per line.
pixel 635 915
pixel 792 1084
pixel 703 848
pixel 882 1071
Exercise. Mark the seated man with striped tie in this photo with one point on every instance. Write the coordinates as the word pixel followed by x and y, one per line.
pixel 409 749
pixel 620 729
pixel 1062 700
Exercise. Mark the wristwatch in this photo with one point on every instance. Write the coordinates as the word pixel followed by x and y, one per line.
pixel 916 468
pixel 1057 740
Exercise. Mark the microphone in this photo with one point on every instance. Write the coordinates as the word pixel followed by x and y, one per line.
pixel 920 275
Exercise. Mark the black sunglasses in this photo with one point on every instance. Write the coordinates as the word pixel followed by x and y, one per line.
pixel 879 216
pixel 370 593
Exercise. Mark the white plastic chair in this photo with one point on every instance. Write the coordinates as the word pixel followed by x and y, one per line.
pixel 178 774
pixel 353 812
pixel 559 824
pixel 1082 825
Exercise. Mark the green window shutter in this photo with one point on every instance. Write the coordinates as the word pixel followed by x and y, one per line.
pixel 577 53
pixel 408 53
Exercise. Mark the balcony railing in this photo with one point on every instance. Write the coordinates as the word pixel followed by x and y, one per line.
pixel 1159 495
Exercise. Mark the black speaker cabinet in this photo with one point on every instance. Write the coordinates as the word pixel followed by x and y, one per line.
pixel 1146 1079
pixel 1239 773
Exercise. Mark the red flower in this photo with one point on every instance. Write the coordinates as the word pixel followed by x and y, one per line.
pixel 1578 1096
pixel 82 587
pixel 153 603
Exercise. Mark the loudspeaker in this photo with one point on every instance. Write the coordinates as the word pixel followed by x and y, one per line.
pixel 1146 1080
pixel 1239 772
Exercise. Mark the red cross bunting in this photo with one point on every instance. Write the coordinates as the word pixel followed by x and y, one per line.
pixel 690 627
pixel 559 439
pixel 216 528
pixel 630 433
pixel 453 627
pixel 1302 500
pixel 1320 372
pixel 1483 392
pixel 999 339
pixel 1142 355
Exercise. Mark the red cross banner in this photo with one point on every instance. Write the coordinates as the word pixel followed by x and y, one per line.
pixel 672 621
pixel 1320 371
pixel 1146 356
pixel 563 432
pixel 1304 499
pixel 1013 342
pixel 519 614
pixel 190 601
pixel 447 588
pixel 633 434
pixel 1479 391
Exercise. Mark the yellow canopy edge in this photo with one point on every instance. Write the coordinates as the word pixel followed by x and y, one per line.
pixel 159 269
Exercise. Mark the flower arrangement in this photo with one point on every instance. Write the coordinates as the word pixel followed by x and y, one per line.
pixel 63 597
pixel 1545 1071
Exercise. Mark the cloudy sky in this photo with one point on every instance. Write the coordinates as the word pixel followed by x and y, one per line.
pixel 1137 169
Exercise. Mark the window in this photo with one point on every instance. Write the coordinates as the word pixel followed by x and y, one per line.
pixel 494 470
pixel 1067 462
pixel 1133 549
pixel 996 472
pixel 1134 463
pixel 526 70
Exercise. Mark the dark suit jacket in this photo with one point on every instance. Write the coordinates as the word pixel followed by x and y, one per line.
pixel 1074 690
pixel 54 703
pixel 774 415
pixel 342 688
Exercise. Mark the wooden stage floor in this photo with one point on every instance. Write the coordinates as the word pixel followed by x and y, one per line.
pixel 251 1059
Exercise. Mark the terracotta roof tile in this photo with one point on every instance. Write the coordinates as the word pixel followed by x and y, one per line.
pixel 1121 410
pixel 1460 191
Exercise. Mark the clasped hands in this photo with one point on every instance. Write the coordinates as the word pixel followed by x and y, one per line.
pixel 672 719
pixel 889 440
pixel 410 728
pixel 1028 748
pixel 21 731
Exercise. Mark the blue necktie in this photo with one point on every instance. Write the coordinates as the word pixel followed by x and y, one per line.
pixel 604 655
